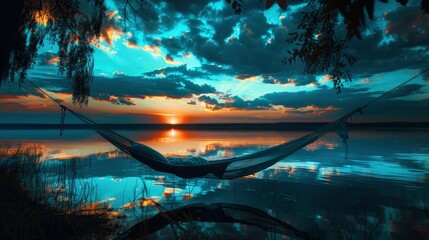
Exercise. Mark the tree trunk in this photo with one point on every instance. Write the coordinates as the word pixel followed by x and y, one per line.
pixel 10 18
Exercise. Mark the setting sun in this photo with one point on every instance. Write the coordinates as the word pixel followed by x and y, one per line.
pixel 173 121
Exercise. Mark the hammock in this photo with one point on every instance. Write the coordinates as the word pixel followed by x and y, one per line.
pixel 230 168
pixel 194 166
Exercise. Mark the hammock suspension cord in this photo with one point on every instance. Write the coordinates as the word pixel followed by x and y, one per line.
pixel 63 116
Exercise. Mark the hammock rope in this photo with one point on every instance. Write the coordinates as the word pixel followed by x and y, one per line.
pixel 230 168
pixel 63 118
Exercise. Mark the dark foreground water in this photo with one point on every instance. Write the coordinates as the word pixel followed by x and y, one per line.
pixel 380 191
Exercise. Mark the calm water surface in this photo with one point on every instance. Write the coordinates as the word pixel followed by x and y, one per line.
pixel 380 190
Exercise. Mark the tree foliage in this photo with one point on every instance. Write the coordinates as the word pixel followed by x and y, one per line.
pixel 319 48
pixel 64 23
pixel 321 43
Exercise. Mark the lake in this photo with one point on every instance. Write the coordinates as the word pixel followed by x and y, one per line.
pixel 379 188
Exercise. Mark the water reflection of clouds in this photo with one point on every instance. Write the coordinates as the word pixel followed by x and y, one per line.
pixel 322 143
pixel 173 142
pixel 213 145
pixel 375 169
pixel 315 181
pixel 324 156
pixel 298 198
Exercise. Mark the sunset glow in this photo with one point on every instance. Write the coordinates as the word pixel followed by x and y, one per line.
pixel 202 69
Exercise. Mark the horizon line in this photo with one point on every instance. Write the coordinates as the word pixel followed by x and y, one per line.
pixel 214 126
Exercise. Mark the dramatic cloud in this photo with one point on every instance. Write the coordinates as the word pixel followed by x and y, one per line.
pixel 131 42
pixel 125 87
pixel 110 31
pixel 255 45
pixel 17 91
pixel 406 91
pixel 120 89
pixel 312 111
pixel 241 56
pixel 254 49
pixel 326 100
pixel 169 59
pixel 234 102
pixel 175 45
pixel 323 98
pixel 115 100
pixel 398 110
pixel 179 70
pixel 152 49
pixel 246 77
pixel 403 44
pixel 296 81
pixel 409 26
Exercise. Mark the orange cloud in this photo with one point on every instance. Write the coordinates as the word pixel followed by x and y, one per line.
pixel 111 14
pixel 313 84
pixel 53 60
pixel 152 49
pixel 169 59
pixel 8 96
pixel 321 144
pixel 231 39
pixel 365 80
pixel 290 81
pixel 42 17
pixel 318 110
pixel 326 78
pixel 106 49
pixel 247 30
pixel 246 77
pixel 35 105
pixel 161 74
pixel 187 55
pixel 131 44
pixel 110 31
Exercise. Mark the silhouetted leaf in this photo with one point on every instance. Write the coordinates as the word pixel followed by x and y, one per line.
pixel 425 6
pixel 269 3
pixel 282 4
pixel 403 2
pixel 369 6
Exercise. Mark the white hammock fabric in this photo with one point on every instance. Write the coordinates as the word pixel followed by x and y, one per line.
pixel 230 168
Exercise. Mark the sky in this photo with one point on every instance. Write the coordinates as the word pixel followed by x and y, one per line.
pixel 198 62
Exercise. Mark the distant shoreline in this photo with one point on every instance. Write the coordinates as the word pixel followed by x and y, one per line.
pixel 281 126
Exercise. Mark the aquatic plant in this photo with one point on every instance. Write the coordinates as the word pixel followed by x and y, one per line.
pixel 39 203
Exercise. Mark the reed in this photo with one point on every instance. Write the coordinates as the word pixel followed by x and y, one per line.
pixel 40 201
